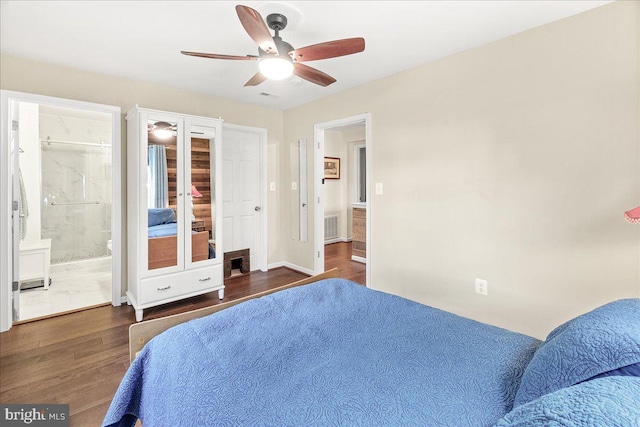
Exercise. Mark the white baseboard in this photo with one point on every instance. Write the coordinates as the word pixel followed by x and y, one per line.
pixel 337 240
pixel 291 266
pixel 358 259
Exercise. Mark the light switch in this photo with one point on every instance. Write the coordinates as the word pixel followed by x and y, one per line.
pixel 378 188
pixel 294 186
pixel 482 287
pixel 272 186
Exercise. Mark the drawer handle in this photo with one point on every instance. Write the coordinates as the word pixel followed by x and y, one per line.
pixel 165 288
pixel 205 280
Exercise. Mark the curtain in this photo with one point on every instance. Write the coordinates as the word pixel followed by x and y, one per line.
pixel 158 179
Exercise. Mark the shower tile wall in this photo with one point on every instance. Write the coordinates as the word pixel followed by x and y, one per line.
pixel 77 179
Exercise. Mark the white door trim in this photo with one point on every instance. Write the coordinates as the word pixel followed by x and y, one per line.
pixel 6 97
pixel 318 212
pixel 262 134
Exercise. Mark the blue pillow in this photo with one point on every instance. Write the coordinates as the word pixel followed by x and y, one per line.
pixel 161 216
pixel 602 340
pixel 604 402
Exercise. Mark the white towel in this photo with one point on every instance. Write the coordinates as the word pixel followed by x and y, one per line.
pixel 23 209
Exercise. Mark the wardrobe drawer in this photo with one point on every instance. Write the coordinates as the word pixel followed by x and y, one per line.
pixel 174 286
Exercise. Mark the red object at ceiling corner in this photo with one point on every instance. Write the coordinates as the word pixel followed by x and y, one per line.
pixel 633 215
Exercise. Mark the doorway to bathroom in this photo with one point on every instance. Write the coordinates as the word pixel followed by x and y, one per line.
pixel 64 170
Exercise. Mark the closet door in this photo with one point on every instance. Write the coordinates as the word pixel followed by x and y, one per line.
pixel 163 196
pixel 202 235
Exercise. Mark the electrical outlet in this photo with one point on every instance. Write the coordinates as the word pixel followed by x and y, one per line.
pixel 482 287
pixel 272 186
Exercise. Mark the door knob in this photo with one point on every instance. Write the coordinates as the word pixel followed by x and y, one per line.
pixel 257 209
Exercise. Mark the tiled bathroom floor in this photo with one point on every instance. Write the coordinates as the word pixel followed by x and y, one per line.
pixel 73 285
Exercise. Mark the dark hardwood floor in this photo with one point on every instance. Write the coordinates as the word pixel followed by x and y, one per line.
pixel 80 358
pixel 339 255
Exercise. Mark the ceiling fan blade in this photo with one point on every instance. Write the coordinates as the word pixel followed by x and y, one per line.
pixel 330 49
pixel 256 79
pixel 216 56
pixel 256 28
pixel 312 75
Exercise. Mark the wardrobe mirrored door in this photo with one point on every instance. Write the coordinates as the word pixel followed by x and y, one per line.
pixel 163 195
pixel 201 191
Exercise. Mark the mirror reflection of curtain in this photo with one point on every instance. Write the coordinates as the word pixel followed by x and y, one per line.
pixel 158 178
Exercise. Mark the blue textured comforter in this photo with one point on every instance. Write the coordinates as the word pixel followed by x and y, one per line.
pixel 326 354
pixel 163 230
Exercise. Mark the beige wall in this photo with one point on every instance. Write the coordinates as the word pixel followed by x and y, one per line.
pixel 22 75
pixel 512 162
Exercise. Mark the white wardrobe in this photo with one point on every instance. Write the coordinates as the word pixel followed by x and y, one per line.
pixel 173 207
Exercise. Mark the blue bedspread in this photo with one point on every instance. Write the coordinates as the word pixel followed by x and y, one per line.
pixel 326 354
pixel 163 230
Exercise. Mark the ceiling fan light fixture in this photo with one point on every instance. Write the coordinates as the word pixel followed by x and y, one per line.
pixel 277 59
pixel 276 67
pixel 162 130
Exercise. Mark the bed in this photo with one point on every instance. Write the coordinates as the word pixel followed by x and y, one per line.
pixel 334 353
pixel 162 240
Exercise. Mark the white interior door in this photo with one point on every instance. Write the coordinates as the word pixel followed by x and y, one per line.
pixel 243 208
pixel 16 210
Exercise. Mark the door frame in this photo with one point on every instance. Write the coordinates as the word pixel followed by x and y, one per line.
pixel 6 269
pixel 262 135
pixel 318 215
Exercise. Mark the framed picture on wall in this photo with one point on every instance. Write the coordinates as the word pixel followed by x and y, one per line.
pixel 331 168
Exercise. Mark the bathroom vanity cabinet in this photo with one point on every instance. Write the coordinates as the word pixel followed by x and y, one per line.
pixel 35 260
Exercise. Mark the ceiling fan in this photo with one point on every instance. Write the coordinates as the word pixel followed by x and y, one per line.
pixel 277 59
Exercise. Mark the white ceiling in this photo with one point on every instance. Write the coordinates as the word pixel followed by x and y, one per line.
pixel 142 39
